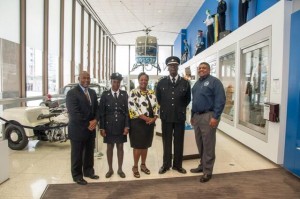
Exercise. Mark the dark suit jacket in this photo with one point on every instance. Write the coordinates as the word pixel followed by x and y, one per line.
pixel 113 112
pixel 173 100
pixel 80 113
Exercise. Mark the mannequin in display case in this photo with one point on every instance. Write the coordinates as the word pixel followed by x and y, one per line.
pixel 209 22
pixel 200 44
pixel 221 10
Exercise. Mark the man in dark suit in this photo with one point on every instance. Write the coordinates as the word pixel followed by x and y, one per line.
pixel 173 95
pixel 82 107
pixel 114 122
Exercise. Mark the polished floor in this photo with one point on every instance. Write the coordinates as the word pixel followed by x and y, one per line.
pixel 45 163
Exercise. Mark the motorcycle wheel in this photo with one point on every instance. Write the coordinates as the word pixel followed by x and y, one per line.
pixel 17 139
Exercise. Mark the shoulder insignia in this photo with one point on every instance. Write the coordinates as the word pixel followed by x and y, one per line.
pixel 164 77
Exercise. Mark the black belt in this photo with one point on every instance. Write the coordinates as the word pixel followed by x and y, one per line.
pixel 202 112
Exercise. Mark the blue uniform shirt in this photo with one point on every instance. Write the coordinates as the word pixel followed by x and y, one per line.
pixel 208 95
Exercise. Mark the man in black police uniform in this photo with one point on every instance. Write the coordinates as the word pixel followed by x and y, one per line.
pixel 173 95
pixel 207 106
pixel 114 122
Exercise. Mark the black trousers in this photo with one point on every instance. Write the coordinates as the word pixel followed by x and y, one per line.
pixel 82 158
pixel 210 35
pixel 243 11
pixel 222 21
pixel 170 130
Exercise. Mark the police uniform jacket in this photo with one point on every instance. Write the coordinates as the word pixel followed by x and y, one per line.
pixel 173 99
pixel 113 112
pixel 81 112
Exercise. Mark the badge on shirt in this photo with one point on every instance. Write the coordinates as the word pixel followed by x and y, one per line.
pixel 206 83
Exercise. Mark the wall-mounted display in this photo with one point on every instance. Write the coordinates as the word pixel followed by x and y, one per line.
pixel 227 76
pixel 254 91
pixel 212 61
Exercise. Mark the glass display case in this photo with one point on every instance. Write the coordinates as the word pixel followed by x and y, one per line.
pixel 227 77
pixel 255 86
pixel 212 61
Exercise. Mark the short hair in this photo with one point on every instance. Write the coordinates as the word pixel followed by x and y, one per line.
pixel 206 64
pixel 141 74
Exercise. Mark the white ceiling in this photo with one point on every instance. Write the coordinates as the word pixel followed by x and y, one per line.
pixel 133 15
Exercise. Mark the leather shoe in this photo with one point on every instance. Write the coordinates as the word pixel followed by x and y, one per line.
pixel 94 177
pixel 109 174
pixel 180 170
pixel 205 178
pixel 121 174
pixel 163 170
pixel 196 170
pixel 80 181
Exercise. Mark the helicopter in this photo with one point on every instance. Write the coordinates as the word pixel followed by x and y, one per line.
pixel 146 48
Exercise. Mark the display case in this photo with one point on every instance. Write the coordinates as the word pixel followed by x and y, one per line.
pixel 227 77
pixel 255 87
pixel 212 61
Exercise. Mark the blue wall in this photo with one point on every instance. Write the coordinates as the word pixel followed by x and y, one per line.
pixel 255 7
pixel 291 154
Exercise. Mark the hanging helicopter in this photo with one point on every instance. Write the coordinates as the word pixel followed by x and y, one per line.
pixel 146 48
pixel 146 52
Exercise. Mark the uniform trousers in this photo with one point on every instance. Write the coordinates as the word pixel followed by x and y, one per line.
pixel 82 158
pixel 205 137
pixel 170 129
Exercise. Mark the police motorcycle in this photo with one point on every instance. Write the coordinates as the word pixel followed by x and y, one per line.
pixel 42 123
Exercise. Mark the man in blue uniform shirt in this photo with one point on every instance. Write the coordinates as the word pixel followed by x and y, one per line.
pixel 207 106
pixel 173 95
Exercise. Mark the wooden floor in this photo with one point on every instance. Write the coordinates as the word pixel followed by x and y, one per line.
pixel 268 183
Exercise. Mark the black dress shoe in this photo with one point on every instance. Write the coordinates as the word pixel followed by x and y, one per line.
pixel 95 177
pixel 109 174
pixel 205 178
pixel 196 170
pixel 121 174
pixel 80 181
pixel 180 170
pixel 163 170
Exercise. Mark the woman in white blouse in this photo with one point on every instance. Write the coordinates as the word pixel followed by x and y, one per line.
pixel 143 112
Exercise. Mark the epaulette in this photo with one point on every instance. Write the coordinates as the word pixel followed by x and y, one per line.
pixel 164 77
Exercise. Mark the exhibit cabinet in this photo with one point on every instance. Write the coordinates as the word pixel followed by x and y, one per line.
pixel 251 63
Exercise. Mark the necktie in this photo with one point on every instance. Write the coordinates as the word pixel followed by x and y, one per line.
pixel 87 95
pixel 115 95
pixel 173 80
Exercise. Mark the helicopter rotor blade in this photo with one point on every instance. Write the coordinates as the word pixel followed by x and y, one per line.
pixel 128 32
pixel 179 33
pixel 133 14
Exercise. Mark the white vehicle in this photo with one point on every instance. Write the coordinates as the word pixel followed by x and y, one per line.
pixel 33 122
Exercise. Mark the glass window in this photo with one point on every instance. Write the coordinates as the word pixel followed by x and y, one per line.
pixel 9 72
pixel 9 51
pixel 77 40
pixel 92 50
pixel 163 53
pixel 254 86
pixel 10 20
pixel 67 41
pixel 122 61
pixel 34 47
pixel 227 76
pixel 85 40
pixel 97 54
pixel 53 41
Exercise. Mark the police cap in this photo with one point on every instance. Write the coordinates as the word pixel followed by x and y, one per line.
pixel 116 76
pixel 172 60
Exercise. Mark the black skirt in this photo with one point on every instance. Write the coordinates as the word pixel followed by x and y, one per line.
pixel 140 134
